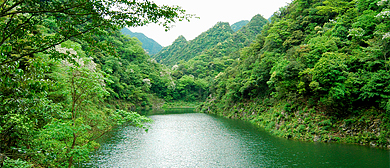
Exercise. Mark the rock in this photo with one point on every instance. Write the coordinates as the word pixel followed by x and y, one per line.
pixel 317 138
pixel 277 126
pixel 373 144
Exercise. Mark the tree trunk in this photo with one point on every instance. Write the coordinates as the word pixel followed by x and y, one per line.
pixel 70 161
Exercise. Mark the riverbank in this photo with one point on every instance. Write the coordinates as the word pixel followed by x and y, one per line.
pixel 299 121
pixel 201 140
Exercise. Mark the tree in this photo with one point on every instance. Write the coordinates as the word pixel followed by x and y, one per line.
pixel 69 137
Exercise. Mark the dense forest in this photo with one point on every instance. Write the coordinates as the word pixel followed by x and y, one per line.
pixel 210 56
pixel 315 71
pixel 318 72
pixel 68 76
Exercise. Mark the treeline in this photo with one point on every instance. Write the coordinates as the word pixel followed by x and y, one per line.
pixel 319 71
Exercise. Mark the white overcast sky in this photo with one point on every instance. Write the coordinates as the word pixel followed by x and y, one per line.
pixel 210 12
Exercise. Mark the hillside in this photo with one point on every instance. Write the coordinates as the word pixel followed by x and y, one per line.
pixel 240 39
pixel 171 55
pixel 195 76
pixel 317 72
pixel 238 25
pixel 218 41
pixel 151 46
pixel 166 55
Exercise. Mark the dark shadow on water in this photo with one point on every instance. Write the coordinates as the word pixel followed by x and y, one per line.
pixel 167 111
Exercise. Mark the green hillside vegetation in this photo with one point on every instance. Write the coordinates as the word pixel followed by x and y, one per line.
pixel 238 25
pixel 68 76
pixel 218 41
pixel 318 72
pixel 180 51
pixel 133 76
pixel 238 40
pixel 166 53
pixel 193 77
pixel 151 46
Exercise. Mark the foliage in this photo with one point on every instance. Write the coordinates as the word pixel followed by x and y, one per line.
pixel 183 50
pixel 53 81
pixel 330 56
pixel 212 56
pixel 66 19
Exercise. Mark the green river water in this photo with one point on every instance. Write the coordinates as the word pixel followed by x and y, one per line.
pixel 182 138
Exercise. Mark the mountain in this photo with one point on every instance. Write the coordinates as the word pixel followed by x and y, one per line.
pixel 240 39
pixel 151 46
pixel 238 25
pixel 185 50
pixel 166 54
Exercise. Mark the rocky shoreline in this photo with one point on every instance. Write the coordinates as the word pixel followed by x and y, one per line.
pixel 309 123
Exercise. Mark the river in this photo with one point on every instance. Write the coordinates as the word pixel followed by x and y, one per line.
pixel 183 138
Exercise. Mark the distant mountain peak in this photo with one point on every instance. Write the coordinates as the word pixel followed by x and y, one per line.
pixel 151 46
pixel 220 40
pixel 180 39
pixel 238 25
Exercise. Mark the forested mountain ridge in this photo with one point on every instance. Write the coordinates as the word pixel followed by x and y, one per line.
pixel 317 72
pixel 238 40
pixel 218 41
pixel 238 25
pixel 195 75
pixel 151 46
pixel 167 52
pixel 204 41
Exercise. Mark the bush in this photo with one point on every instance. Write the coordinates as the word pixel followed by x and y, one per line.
pixel 11 163
pixel 325 123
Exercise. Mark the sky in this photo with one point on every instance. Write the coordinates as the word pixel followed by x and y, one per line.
pixel 210 13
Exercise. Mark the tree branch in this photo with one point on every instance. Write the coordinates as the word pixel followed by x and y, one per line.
pixel 50 45
pixel 3 4
pixel 10 8
pixel 103 133
pixel 3 14
pixel 17 28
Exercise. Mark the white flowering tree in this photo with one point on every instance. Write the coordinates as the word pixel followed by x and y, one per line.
pixel 383 29
pixel 384 16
